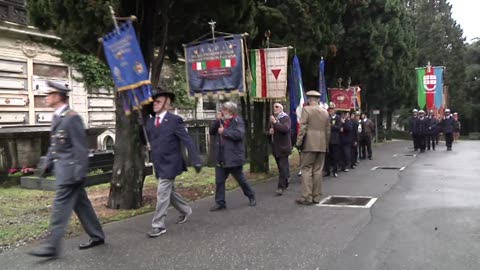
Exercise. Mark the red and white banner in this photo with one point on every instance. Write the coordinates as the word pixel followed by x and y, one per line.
pixel 269 72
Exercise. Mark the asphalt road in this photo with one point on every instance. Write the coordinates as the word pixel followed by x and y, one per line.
pixel 426 217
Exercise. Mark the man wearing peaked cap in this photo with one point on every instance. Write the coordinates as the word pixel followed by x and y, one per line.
pixel 447 126
pixel 312 140
pixel 68 155
pixel 313 93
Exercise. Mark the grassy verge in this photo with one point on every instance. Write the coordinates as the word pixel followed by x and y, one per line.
pixel 25 214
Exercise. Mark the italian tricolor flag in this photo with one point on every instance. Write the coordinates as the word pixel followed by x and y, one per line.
pixel 217 63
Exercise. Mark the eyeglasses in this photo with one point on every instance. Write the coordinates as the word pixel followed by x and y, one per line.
pixel 276 106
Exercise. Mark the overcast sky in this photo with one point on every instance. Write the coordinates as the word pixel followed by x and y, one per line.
pixel 467 14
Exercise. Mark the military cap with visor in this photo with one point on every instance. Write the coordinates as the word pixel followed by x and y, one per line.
pixel 313 93
pixel 55 87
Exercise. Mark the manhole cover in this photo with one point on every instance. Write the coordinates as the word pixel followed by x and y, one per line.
pixel 348 201
pixel 405 155
pixel 388 168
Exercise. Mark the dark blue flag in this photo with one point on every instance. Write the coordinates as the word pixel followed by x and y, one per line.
pixel 129 72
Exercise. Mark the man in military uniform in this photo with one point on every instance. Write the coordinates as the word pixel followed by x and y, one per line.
pixel 432 131
pixel 68 155
pixel 447 125
pixel 312 140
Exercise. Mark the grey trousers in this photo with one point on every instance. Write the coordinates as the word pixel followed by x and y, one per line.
pixel 166 195
pixel 67 199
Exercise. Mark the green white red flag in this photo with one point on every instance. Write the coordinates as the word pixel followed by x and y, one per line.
pixel 269 73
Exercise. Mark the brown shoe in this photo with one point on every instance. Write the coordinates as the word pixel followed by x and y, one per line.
pixel 303 202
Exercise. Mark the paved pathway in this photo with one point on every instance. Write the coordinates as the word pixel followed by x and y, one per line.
pixel 426 217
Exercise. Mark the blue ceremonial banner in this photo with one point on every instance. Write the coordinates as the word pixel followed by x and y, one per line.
pixel 322 84
pixel 127 66
pixel 214 66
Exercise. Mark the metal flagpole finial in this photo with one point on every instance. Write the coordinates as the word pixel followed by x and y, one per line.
pixel 349 81
pixel 113 18
pixel 340 82
pixel 212 27
pixel 429 67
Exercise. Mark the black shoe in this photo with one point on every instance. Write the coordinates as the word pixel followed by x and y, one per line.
pixel 44 252
pixel 370 158
pixel 303 202
pixel 91 243
pixel 252 202
pixel 357 163
pixel 279 191
pixel 449 149
pixel 156 232
pixel 326 174
pixel 315 202
pixel 335 174
pixel 217 207
pixel 345 170
pixel 352 167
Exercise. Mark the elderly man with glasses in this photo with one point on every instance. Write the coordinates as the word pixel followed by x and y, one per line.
pixel 281 145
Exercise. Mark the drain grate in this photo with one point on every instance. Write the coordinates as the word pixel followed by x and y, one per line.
pixel 348 201
pixel 388 168
pixel 404 155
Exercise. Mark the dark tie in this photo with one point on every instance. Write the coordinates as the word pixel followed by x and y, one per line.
pixel 157 121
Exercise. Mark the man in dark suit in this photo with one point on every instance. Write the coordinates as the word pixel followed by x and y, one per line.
pixel 281 144
pixel 333 156
pixel 412 128
pixel 368 129
pixel 346 141
pixel 166 133
pixel 432 130
pixel 421 129
pixel 68 155
pixel 355 124
pixel 229 132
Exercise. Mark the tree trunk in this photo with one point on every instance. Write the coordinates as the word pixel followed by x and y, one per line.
pixel 126 189
pixel 165 6
pixel 259 147
pixel 129 163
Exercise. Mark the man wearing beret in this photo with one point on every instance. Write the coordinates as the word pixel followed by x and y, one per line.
pixel 166 132
pixel 312 140
pixel 68 155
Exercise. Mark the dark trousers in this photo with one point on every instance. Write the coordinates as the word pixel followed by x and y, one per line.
pixel 448 140
pixel 365 146
pixel 422 140
pixel 68 199
pixel 221 175
pixel 283 171
pixel 431 141
pixel 332 159
pixel 346 156
pixel 415 141
pixel 354 154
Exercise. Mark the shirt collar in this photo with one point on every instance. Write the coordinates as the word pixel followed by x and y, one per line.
pixel 60 110
pixel 161 115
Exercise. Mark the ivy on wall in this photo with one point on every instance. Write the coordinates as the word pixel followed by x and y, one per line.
pixel 95 74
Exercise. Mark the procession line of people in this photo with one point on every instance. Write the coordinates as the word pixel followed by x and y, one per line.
pixel 425 130
pixel 325 140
